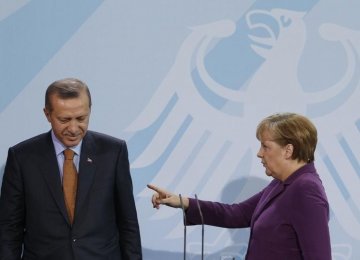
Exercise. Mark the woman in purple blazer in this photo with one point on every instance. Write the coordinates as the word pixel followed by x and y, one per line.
pixel 289 218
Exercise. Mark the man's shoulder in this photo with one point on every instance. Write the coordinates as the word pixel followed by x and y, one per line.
pixel 33 140
pixel 102 137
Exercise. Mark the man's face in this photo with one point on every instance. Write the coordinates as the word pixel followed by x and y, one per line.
pixel 69 118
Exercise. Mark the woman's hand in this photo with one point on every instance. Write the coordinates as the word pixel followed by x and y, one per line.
pixel 163 197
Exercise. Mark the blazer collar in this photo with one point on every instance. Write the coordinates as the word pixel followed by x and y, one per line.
pixel 309 167
pixel 276 187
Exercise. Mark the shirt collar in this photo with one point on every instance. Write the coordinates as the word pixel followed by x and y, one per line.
pixel 59 147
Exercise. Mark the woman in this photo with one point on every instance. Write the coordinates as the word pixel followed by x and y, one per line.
pixel 289 218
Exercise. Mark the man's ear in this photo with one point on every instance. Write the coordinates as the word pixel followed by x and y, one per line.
pixel 47 114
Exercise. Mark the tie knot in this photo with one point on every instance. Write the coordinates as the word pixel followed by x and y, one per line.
pixel 69 154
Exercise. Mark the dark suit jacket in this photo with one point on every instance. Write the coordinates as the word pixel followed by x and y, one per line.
pixel 32 208
pixel 288 220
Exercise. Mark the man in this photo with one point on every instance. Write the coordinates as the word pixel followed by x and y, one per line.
pixel 40 216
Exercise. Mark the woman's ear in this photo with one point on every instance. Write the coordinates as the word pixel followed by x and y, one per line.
pixel 289 150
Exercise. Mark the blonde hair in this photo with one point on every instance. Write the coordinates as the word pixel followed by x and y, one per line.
pixel 291 128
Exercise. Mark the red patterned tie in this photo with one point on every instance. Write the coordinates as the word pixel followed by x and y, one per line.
pixel 69 183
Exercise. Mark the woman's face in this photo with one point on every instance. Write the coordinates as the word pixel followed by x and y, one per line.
pixel 273 156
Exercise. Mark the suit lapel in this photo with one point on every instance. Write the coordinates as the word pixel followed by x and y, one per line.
pixel 277 187
pixel 87 169
pixel 51 174
pixel 268 197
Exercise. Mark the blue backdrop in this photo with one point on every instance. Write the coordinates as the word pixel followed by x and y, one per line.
pixel 185 84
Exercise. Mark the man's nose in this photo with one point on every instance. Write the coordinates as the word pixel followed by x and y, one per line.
pixel 73 126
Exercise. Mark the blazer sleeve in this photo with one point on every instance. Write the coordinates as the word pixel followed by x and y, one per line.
pixel 310 220
pixel 223 215
pixel 12 210
pixel 127 221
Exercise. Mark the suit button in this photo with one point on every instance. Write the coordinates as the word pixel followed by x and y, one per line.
pixel 74 240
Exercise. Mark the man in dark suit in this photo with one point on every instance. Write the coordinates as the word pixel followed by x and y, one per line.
pixel 36 221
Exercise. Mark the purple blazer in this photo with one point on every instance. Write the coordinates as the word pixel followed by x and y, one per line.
pixel 288 220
